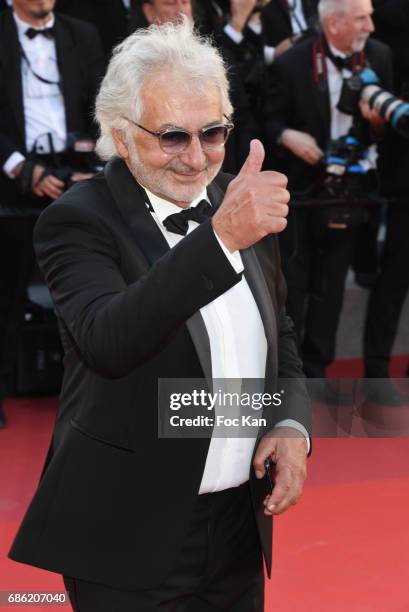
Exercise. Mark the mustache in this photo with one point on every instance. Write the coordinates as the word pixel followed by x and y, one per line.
pixel 185 168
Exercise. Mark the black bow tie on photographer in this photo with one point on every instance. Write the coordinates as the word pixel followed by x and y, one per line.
pixel 342 62
pixel 178 223
pixel 47 32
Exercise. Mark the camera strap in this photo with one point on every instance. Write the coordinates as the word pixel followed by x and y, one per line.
pixel 35 74
pixel 321 51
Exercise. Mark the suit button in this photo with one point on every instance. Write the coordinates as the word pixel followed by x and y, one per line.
pixel 208 283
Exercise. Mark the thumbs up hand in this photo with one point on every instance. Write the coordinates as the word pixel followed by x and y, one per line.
pixel 255 204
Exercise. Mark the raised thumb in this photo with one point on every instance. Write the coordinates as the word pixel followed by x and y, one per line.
pixel 254 160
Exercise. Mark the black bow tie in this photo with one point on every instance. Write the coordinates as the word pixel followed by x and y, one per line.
pixel 341 62
pixel 47 32
pixel 338 61
pixel 178 223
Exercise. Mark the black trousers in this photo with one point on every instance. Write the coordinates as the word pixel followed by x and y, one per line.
pixel 315 263
pixel 219 566
pixel 388 295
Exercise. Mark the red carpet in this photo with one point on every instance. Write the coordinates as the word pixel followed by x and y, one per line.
pixel 353 368
pixel 344 548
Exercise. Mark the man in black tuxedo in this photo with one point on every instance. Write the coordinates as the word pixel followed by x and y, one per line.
pixel 57 61
pixel 49 72
pixel 148 287
pixel 287 20
pixel 302 117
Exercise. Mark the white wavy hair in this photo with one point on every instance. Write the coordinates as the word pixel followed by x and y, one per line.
pixel 160 49
pixel 330 7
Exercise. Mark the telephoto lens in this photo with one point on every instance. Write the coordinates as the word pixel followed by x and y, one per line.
pixel 391 108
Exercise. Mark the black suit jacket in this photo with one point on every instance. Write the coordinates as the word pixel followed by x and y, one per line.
pixel 80 62
pixel 276 20
pixel 114 500
pixel 295 100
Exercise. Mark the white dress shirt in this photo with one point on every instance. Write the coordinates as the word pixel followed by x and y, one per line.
pixel 43 103
pixel 341 123
pixel 238 350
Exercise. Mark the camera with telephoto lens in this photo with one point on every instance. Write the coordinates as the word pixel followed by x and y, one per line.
pixel 364 85
pixel 347 169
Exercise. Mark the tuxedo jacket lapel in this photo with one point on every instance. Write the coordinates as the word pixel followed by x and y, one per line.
pixel 131 199
pixel 321 93
pixel 256 281
pixel 68 71
pixel 10 50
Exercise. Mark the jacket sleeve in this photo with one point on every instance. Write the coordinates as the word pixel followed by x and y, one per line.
pixel 291 378
pixel 114 325
pixel 278 103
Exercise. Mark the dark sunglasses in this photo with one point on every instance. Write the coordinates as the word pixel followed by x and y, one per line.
pixel 174 140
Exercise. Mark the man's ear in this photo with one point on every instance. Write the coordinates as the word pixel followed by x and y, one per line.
pixel 149 12
pixel 120 144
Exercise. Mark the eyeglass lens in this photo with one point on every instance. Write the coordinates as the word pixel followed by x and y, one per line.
pixel 178 140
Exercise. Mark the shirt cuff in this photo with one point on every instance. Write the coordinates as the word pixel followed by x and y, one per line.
pixel 296 425
pixel 14 159
pixel 255 27
pixel 236 37
pixel 234 258
pixel 269 54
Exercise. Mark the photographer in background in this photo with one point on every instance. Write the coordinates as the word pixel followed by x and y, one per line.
pixel 392 285
pixel 302 116
pixel 50 68
pixel 287 21
pixel 49 72
pixel 237 28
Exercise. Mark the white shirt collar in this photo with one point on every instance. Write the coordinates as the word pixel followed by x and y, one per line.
pixel 336 51
pixel 23 26
pixel 164 208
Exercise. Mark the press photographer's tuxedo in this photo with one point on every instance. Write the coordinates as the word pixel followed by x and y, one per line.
pixel 80 64
pixel 295 99
pixel 276 19
pixel 315 257
pixel 114 500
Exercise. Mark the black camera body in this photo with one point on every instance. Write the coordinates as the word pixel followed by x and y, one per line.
pixel 364 85
pixel 347 171
pixel 79 156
